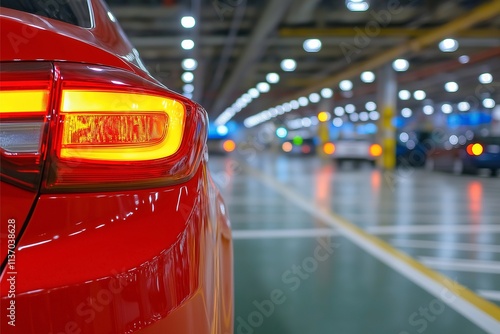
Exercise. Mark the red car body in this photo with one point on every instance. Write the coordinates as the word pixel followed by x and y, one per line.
pixel 105 227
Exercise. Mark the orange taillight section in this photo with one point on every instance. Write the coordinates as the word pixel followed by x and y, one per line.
pixel 287 147
pixel 375 150
pixel 120 126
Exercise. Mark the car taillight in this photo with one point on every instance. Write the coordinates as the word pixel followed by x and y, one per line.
pixel 329 148
pixel 24 112
pixel 107 129
pixel 229 146
pixel 375 150
pixel 475 149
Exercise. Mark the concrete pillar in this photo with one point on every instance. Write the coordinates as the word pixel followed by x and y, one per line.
pixel 387 92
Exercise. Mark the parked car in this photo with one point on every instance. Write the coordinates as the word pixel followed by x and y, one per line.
pixel 353 149
pixel 110 221
pixel 299 146
pixel 478 153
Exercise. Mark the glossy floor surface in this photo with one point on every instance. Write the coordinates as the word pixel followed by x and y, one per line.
pixel 322 249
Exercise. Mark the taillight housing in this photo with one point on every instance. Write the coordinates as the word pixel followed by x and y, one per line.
pixel 25 90
pixel 110 129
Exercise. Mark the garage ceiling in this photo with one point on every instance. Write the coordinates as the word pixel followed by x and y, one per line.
pixel 237 43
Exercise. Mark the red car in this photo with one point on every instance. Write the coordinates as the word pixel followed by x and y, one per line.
pixel 110 222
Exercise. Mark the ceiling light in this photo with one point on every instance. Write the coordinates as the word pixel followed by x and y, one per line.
pixel 485 78
pixel 295 104
pixel 247 98
pixel 188 88
pixel 314 97
pixel 287 107
pixel 363 116
pixel 188 95
pixel 187 44
pixel 370 106
pixel 489 103
pixel 357 6
pixel 254 93
pixel 448 45
pixel 327 93
pixel 464 106
pixel 272 78
pixel 312 45
pixel 288 65
pixel 338 122
pixel 354 117
pixel 404 94
pixel 406 112
pixel 451 87
pixel 188 22
pixel 187 77
pixel 345 85
pixel 419 95
pixel 367 77
pixel 339 111
pixel 446 108
pixel 374 115
pixel 303 101
pixel 428 110
pixel 263 87
pixel 222 130
pixel 464 59
pixel 189 64
pixel 400 65
pixel 350 108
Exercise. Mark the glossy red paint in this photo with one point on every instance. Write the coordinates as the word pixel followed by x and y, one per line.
pixel 148 260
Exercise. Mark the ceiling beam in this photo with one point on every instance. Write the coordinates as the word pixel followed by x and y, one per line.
pixel 268 21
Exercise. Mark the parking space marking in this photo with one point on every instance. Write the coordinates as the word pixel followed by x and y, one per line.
pixel 294 233
pixel 490 294
pixel 481 312
pixel 426 229
pixel 475 266
pixel 428 244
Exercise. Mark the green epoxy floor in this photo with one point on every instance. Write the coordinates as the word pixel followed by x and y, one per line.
pixel 286 281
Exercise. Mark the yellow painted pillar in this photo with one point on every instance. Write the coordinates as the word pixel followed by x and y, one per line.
pixel 387 105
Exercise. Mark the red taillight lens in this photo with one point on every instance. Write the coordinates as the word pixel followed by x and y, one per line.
pixel 475 149
pixel 24 107
pixel 108 129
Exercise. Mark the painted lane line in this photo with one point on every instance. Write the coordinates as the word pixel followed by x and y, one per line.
pixel 481 312
pixel 296 233
pixel 426 229
pixel 428 244
pixel 490 294
pixel 474 266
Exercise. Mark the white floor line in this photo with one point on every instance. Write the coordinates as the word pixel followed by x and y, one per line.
pixel 475 266
pixel 430 244
pixel 460 304
pixel 490 294
pixel 284 233
pixel 429 229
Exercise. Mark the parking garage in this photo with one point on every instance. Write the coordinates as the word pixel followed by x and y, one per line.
pixel 406 241
pixel 356 145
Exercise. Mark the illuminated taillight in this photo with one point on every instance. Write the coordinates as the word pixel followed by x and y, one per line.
pixel 24 107
pixel 475 149
pixel 329 148
pixel 375 150
pixel 229 145
pixel 287 147
pixel 117 126
pixel 114 129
